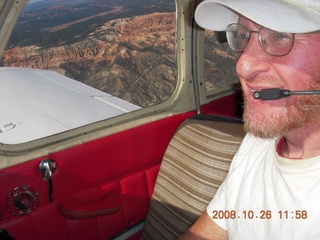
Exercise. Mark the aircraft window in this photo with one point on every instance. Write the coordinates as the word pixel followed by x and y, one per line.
pixel 123 51
pixel 220 62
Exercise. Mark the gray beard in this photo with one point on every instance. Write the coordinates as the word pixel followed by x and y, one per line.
pixel 281 120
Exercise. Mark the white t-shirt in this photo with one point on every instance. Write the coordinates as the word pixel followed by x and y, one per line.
pixel 266 196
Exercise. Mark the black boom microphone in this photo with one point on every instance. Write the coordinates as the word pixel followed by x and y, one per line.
pixel 277 93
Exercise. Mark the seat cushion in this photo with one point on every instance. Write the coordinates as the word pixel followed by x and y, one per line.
pixel 196 162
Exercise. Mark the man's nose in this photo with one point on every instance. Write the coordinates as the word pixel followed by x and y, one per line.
pixel 253 60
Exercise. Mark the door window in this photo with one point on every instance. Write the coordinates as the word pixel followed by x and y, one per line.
pixel 71 63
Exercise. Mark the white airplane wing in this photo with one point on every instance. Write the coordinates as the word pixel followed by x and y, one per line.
pixel 38 103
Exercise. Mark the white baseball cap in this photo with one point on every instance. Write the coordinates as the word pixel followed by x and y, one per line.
pixel 294 16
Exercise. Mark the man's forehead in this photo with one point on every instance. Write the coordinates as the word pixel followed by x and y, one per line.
pixel 249 23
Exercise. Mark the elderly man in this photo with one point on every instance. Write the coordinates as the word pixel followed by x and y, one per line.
pixel 273 187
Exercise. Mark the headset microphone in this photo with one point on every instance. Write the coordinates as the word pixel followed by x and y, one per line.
pixel 277 93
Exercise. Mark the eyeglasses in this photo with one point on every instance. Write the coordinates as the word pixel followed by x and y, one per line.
pixel 272 42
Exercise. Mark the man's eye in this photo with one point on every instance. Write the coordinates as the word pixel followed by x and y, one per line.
pixel 242 35
pixel 281 35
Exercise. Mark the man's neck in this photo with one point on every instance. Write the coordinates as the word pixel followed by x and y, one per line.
pixel 303 142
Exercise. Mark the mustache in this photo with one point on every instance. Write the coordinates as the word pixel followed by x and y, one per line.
pixel 262 79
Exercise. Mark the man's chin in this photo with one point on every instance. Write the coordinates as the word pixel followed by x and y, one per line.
pixel 262 131
pixel 266 124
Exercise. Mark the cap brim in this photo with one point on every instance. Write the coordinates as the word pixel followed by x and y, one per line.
pixel 278 15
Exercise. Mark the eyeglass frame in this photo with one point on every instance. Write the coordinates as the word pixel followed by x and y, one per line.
pixel 259 38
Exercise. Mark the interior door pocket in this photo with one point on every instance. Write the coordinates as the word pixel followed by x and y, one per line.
pixel 76 209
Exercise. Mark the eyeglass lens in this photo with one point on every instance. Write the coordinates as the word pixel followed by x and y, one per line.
pixel 272 42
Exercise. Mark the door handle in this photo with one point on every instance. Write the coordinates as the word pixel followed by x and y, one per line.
pixel 47 167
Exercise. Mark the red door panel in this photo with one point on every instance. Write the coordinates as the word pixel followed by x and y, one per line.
pixel 107 183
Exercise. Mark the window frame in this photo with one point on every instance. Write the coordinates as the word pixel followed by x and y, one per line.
pixel 176 104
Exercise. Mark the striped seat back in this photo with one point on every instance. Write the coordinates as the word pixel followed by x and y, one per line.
pixel 196 162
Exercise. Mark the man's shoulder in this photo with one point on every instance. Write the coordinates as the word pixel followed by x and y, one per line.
pixel 254 151
pixel 251 144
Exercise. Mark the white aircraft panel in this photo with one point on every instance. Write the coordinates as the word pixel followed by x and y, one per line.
pixel 41 103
